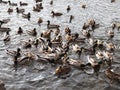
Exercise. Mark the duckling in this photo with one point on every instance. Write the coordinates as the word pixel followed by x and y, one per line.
pixel 40 21
pixel 52 26
pixel 6 37
pixel 36 9
pixel 68 8
pixel 112 75
pixel 46 34
pixel 51 2
pixel 23 4
pixel 10 10
pixel 112 1
pixel 62 70
pixel 38 1
pixel 71 18
pixel 20 31
pixel 20 10
pixel 77 49
pixel 56 14
pixel 95 65
pixel 33 32
pixel 13 53
pixel 28 16
pixel 12 4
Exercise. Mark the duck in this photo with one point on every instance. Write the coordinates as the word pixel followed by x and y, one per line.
pixel 33 32
pixel 112 1
pixel 85 26
pixel 56 13
pixel 52 26
pixel 71 18
pixel 94 64
pixel 39 6
pixel 67 30
pixel 38 1
pixel 46 34
pixel 62 70
pixel 86 34
pixel 5 29
pixel 40 21
pixel 100 44
pixel 83 6
pixel 36 9
pixel 20 31
pixel 51 2
pixel 68 8
pixel 6 20
pixel 99 55
pixel 20 10
pixel 112 75
pixel 57 39
pixel 114 26
pixel 110 47
pixel 28 16
pixel 12 4
pixel 23 4
pixel 110 34
pixel 77 49
pixel 36 43
pixel 6 37
pixel 26 44
pixel 68 38
pixel 10 10
pixel 14 53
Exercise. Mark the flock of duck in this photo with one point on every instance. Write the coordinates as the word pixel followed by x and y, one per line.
pixel 56 48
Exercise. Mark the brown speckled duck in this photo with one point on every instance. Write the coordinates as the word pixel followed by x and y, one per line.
pixel 10 10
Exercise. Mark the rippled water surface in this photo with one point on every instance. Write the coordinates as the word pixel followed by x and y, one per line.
pixel 26 78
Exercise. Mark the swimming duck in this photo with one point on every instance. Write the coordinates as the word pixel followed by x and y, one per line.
pixel 26 44
pixel 67 30
pixel 100 44
pixel 62 70
pixel 112 75
pixel 40 21
pixel 68 8
pixel 23 4
pixel 83 6
pixel 114 26
pixel 46 34
pixel 6 37
pixel 85 26
pixel 12 4
pixel 36 9
pixel 39 6
pixel 20 31
pixel 68 38
pixel 99 55
pixel 52 26
pixel 56 14
pixel 57 39
pixel 51 2
pixel 13 53
pixel 86 33
pixel 77 49
pixel 36 42
pixel 112 1
pixel 110 34
pixel 28 16
pixel 95 65
pixel 38 1
pixel 4 29
pixel 110 47
pixel 71 18
pixel 20 10
pixel 10 10
pixel 33 32
pixel 6 20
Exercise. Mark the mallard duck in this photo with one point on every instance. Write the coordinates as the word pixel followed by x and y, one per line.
pixel 38 1
pixel 52 26
pixel 86 33
pixel 62 70
pixel 46 34
pixel 85 26
pixel 33 32
pixel 71 18
pixel 77 49
pixel 26 44
pixel 6 20
pixel 110 34
pixel 68 38
pixel 36 9
pixel 39 6
pixel 112 75
pixel 12 4
pixel 57 39
pixel 83 6
pixel 23 4
pixel 68 8
pixel 40 21
pixel 28 16
pixel 10 10
pixel 100 43
pixel 95 65
pixel 99 55
pixel 110 47
pixel 67 30
pixel 112 1
pixel 114 26
pixel 56 14
pixel 4 29
pixel 36 42
pixel 20 31
pixel 14 53
pixel 6 37
pixel 51 2
pixel 20 10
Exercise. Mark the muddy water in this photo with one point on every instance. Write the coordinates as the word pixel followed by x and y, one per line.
pixel 27 78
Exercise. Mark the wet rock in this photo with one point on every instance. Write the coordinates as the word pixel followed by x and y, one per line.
pixel 2 85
